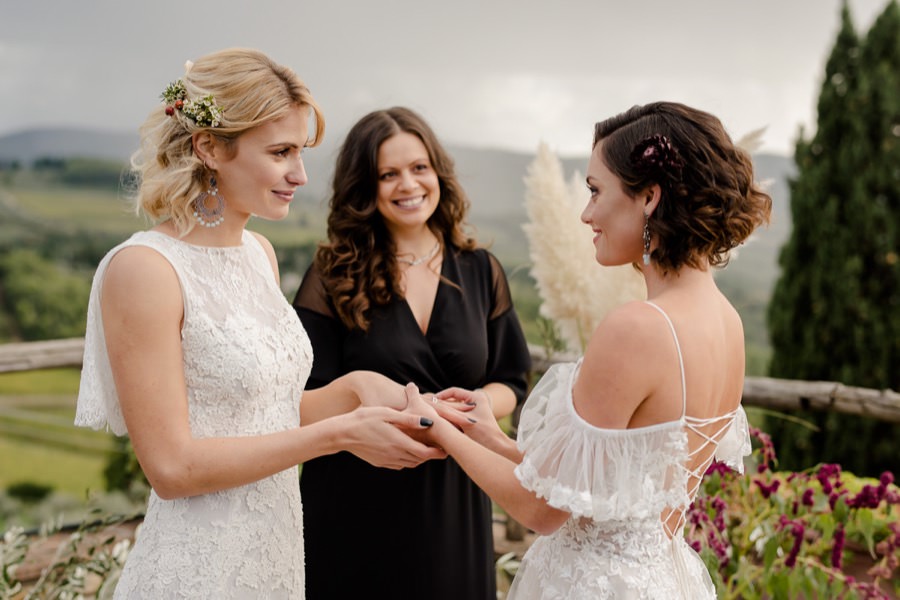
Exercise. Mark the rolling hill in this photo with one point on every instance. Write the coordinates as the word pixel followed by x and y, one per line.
pixel 494 181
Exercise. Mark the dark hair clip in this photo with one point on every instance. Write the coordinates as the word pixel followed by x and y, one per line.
pixel 657 157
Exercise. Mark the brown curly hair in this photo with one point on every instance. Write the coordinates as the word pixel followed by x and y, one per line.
pixel 357 263
pixel 709 203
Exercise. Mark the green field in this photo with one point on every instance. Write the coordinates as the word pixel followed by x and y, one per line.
pixel 39 444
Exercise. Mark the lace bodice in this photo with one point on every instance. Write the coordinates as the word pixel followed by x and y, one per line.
pixel 246 360
pixel 626 490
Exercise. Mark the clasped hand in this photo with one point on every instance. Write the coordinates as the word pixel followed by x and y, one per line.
pixel 386 403
pixel 469 411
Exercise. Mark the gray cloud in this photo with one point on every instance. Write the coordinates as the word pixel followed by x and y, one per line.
pixel 488 73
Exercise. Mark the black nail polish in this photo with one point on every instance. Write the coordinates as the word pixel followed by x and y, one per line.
pixel 425 422
pixel 471 420
pixel 472 403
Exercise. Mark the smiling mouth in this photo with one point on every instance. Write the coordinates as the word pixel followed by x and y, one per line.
pixel 410 202
pixel 284 195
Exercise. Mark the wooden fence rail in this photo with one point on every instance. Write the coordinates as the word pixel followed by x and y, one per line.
pixel 764 392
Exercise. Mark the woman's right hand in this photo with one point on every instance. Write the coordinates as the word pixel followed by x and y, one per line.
pixel 384 437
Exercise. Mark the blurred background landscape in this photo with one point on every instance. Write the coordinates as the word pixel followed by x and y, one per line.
pixel 76 87
pixel 63 205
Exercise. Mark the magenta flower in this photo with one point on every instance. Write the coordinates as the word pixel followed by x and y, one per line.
pixel 767 490
pixel 799 531
pixel 807 498
pixel 837 551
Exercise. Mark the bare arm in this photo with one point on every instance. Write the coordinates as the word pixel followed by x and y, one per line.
pixel 142 311
pixel 346 393
pixel 500 397
pixel 471 413
pixel 491 471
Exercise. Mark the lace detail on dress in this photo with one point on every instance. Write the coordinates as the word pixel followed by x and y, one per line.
pixel 623 488
pixel 593 472
pixel 246 360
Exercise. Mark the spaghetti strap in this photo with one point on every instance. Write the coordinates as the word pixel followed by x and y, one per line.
pixel 680 358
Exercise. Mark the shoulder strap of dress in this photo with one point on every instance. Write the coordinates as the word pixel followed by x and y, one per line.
pixel 680 358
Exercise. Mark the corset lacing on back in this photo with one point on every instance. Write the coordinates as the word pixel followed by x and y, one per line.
pixel 703 440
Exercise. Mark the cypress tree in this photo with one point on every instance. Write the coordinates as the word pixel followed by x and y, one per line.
pixel 834 311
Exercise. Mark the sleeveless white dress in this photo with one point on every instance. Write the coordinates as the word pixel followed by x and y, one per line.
pixel 617 484
pixel 246 360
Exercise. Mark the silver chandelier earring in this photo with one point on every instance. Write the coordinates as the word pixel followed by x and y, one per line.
pixel 646 239
pixel 204 214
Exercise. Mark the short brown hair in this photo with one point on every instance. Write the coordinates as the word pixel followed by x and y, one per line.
pixel 711 205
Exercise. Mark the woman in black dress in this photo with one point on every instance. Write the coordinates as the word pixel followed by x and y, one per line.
pixel 400 289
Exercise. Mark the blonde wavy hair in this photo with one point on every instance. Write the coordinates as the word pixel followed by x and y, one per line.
pixel 250 88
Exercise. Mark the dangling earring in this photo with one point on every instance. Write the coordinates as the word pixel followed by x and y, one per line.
pixel 646 239
pixel 206 216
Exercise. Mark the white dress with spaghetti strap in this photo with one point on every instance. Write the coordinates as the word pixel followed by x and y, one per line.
pixel 246 360
pixel 617 484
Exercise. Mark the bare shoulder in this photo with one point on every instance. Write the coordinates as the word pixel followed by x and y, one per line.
pixel 139 265
pixel 270 251
pixel 631 325
pixel 264 242
pixel 140 278
pixel 615 377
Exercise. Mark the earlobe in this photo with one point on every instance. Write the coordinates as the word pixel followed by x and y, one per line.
pixel 652 196
pixel 205 148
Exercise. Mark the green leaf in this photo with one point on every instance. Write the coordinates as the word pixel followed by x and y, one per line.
pixel 780 586
pixel 770 552
pixel 840 511
pixel 866 524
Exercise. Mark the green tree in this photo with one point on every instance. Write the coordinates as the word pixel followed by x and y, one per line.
pixel 44 300
pixel 834 311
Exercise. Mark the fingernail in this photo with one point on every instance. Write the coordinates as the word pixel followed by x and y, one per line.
pixel 425 422
pixel 471 403
pixel 471 420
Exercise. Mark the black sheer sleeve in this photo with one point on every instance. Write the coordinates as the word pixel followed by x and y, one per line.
pixel 324 328
pixel 509 360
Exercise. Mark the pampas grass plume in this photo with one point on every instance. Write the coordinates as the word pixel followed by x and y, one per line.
pixel 576 292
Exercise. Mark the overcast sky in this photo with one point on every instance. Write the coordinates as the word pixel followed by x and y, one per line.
pixel 489 73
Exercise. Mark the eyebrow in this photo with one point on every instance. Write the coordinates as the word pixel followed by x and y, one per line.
pixel 288 145
pixel 413 162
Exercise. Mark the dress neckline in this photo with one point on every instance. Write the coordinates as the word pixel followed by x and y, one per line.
pixel 200 247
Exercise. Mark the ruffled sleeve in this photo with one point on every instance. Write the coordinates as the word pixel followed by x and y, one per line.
pixel 98 402
pixel 593 472
pixel 735 444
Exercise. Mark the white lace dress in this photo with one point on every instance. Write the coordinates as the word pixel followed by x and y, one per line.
pixel 246 359
pixel 616 483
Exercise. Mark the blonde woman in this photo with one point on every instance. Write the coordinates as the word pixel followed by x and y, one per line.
pixel 192 350
pixel 612 448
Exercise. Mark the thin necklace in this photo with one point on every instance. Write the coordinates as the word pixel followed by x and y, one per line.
pixel 421 259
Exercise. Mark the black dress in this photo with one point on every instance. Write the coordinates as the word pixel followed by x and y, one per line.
pixel 423 533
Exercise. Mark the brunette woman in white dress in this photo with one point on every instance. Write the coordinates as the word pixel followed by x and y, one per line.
pixel 611 449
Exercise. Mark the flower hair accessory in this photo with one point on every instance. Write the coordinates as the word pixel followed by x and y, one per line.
pixel 656 156
pixel 202 111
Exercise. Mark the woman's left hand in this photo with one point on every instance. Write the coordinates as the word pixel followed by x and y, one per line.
pixel 471 412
